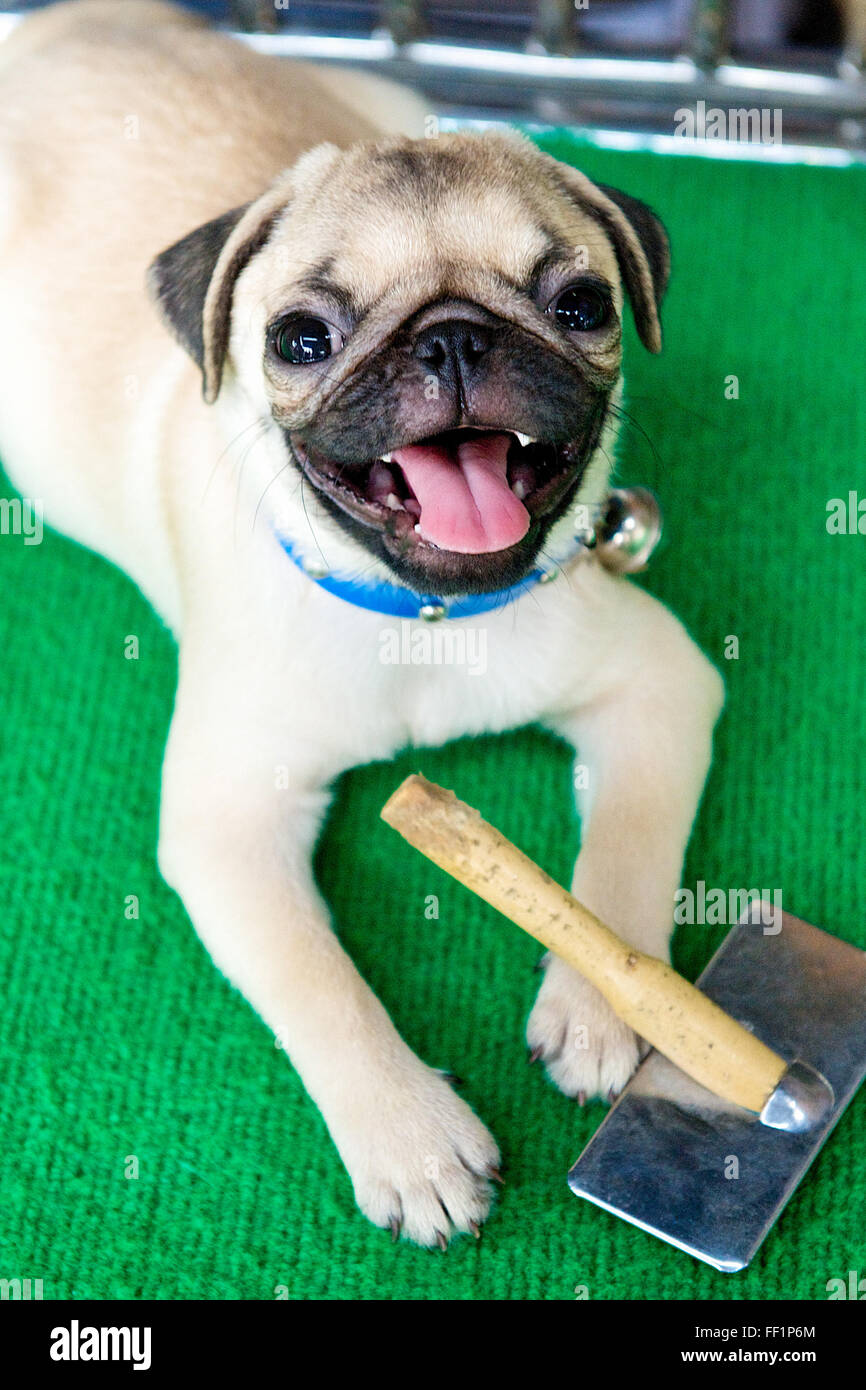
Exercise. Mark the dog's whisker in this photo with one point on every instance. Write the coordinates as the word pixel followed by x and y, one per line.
pixel 239 470
pixel 628 419
pixel 309 522
pixel 261 422
pixel 280 471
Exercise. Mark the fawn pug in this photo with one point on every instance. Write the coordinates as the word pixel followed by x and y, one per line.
pixel 257 327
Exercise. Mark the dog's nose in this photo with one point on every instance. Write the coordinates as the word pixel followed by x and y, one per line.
pixel 453 349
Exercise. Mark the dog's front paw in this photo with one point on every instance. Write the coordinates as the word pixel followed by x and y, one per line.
pixel 421 1162
pixel 586 1049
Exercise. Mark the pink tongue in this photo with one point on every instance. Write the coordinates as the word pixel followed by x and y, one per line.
pixel 466 503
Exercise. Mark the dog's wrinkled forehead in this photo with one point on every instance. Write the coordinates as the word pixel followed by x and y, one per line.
pixel 389 227
pixel 425 216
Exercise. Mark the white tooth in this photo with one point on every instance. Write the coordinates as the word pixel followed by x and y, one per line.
pixel 393 501
pixel 519 489
pixel 523 439
pixel 417 527
pixel 386 458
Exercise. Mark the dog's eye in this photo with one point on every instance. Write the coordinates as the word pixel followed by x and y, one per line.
pixel 581 309
pixel 303 340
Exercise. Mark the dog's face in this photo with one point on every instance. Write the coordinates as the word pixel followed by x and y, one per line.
pixel 433 328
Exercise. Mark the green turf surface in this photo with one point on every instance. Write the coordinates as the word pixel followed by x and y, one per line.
pixel 119 1038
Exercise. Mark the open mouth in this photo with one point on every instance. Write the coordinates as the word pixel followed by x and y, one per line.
pixel 467 491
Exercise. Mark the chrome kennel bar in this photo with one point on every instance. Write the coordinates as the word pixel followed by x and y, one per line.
pixel 555 78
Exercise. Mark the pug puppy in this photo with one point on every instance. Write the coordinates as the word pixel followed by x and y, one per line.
pixel 296 374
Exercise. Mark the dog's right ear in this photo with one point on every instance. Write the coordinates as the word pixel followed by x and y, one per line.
pixel 193 281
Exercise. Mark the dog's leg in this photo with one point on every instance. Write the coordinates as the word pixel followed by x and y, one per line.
pixel 238 850
pixel 643 749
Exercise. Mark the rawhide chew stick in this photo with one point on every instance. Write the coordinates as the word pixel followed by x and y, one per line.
pixel 646 993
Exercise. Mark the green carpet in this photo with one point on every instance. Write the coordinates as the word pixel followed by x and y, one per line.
pixel 118 1037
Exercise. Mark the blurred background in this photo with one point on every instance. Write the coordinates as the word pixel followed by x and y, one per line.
pixel 624 66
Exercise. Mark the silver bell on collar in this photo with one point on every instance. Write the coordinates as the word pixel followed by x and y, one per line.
pixel 628 531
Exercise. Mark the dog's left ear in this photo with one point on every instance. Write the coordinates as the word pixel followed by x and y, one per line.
pixel 640 241
pixel 193 281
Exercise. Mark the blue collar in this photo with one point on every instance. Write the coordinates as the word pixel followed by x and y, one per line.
pixel 398 602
